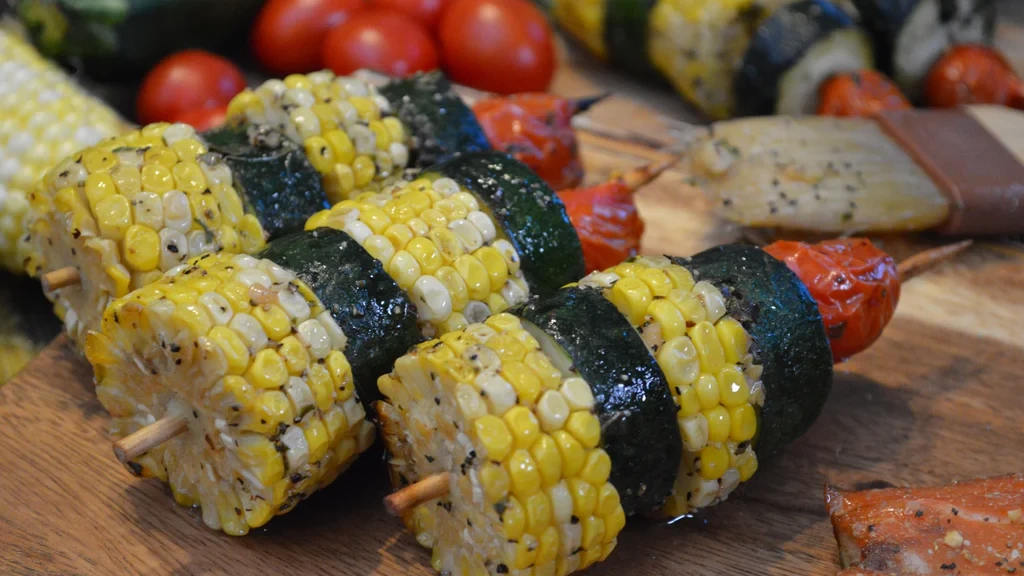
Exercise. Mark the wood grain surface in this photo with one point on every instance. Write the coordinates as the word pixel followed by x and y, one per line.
pixel 938 398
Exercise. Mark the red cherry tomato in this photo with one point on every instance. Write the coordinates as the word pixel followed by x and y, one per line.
pixel 502 46
pixel 855 284
pixel 607 222
pixel 971 74
pixel 187 81
pixel 203 118
pixel 288 34
pixel 428 12
pixel 385 41
pixel 864 93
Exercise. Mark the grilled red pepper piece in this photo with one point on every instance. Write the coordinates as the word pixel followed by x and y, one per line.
pixel 972 74
pixel 863 93
pixel 536 129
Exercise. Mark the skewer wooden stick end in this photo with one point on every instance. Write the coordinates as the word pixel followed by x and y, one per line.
pixel 60 278
pixel 433 486
pixel 923 261
pixel 148 437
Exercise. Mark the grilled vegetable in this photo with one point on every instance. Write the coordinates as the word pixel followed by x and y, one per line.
pixel 43 117
pixel 535 128
pixel 910 35
pixel 732 336
pixel 830 175
pixel 124 38
pixel 974 527
pixel 972 74
pixel 257 365
pixel 862 93
pixel 793 53
pixel 468 238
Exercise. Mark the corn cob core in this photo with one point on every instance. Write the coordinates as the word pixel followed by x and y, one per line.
pixel 440 244
pixel 43 117
pixel 529 491
pixel 346 127
pixel 251 356
pixel 704 354
pixel 130 208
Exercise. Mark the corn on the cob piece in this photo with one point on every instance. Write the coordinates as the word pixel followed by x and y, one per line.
pixel 127 210
pixel 43 118
pixel 584 20
pixel 347 128
pixel 439 242
pixel 834 175
pixel 252 358
pixel 704 354
pixel 529 487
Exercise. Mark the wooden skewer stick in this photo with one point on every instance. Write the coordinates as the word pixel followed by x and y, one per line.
pixel 433 486
pixel 148 437
pixel 60 278
pixel 924 261
pixel 640 177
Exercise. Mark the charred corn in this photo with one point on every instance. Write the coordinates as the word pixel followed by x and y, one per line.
pixel 44 117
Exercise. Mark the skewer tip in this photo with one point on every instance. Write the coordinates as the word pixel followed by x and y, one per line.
pixel 401 502
pixel 60 278
pixel 923 261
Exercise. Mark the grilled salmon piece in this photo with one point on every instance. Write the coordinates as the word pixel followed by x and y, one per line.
pixel 969 528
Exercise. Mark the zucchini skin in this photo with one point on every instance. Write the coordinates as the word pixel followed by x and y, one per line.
pixel 780 42
pixel 374 313
pixel 531 214
pixel 634 404
pixel 787 336
pixel 441 124
pixel 278 184
pixel 625 36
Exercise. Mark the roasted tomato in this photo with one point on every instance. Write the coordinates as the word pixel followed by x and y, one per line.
pixel 288 34
pixel 187 81
pixel 973 74
pixel 863 93
pixel 381 40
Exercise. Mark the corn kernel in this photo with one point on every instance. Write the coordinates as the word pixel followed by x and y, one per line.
pixel 693 431
pixel 121 278
pixel 268 370
pixel 494 262
pixel 596 468
pixel 719 425
pixel 523 471
pixel 585 427
pixel 113 216
pixel 549 461
pixel 160 156
pixel 475 275
pixel 733 388
pixel 524 426
pixel 707 391
pixel 156 178
pixel 395 128
pixel 496 303
pixel 98 187
pixel 709 349
pixel 687 400
pixel 613 524
pixel 98 160
pixel 679 361
pixel 275 321
pixel 547 548
pixel 127 180
pixel 549 376
pixel 404 269
pixel 657 280
pixel 316 438
pixel 573 454
pixel 319 381
pixel 241 393
pixel 584 497
pixel 668 316
pixel 714 461
pixel 627 270
pixel 593 533
pixel 495 481
pixel 336 423
pixel 236 294
pixel 513 519
pixel 141 248
pixel 231 345
pixel 747 465
pixel 494 436
pixel 607 500
pixel 743 420
pixel 631 296
pixel 426 254
pixel 250 233
pixel 734 339
pixel 690 306
pixel 320 154
pixel 364 170
pixel 191 318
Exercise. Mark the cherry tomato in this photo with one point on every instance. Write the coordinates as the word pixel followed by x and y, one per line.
pixel 385 41
pixel 864 93
pixel 187 81
pixel 203 118
pixel 855 284
pixel 973 74
pixel 288 34
pixel 502 46
pixel 428 12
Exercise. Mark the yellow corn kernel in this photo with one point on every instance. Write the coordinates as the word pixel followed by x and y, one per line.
pixel 596 468
pixel 336 423
pixel 747 465
pixel 585 427
pixel 98 160
pixel 188 149
pixel 395 128
pixel 191 318
pixel 380 132
pixel 434 218
pixel 319 381
pixel 460 370
pixel 681 277
pixel 259 454
pixel 67 200
pixel 734 339
pixel 127 180
pixel 364 170
pixel 524 426
pixel 452 209
pixel 448 244
pixel 399 235
pixel 709 349
pixel 503 322
pixel 593 533
pixel 98 187
pixel 495 481
pixel 341 145
pixel 250 233
pixel 494 436
pixel 627 270
pixel 456 286
pixel 298 81
pixel 418 226
pixel 375 218
pixel 404 269
pixel 657 280
pixel 161 156
pixel 743 422
pixel 668 316
pixel 613 524
pixel 549 461
pixel 573 454
pixel 325 115
pixel 507 347
pixel 631 296
pixel 550 377
pixel 365 107
pixel 341 374
pixel 113 216
pixel 241 393
pixel 275 321
pixel 316 437
pixel 494 262
pixel 679 361
pixel 271 408
pixel 475 275
pixel 320 154
pixel 733 388
pixel 426 254
pixel 156 178
pixel 141 248
pixel 714 461
pixel 236 294
pixel 521 378
pixel 538 512
pixel 607 500
pixel 419 201
pixel 229 203
pixel 121 278
pixel 687 400
pixel 524 474
pixel 547 547
pixel 691 306
pixel 339 182
pixel 496 303
pixel 267 370
pixel 243 103
pixel 584 497
pixel 233 348
pixel 513 519
pixel 719 425
pixel 707 391
pixel 189 177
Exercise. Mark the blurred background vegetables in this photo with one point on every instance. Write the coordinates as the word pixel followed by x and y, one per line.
pixel 187 81
pixel 288 34
pixel 385 41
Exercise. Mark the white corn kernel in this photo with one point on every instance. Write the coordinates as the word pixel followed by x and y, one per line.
pixel 148 210
pixel 177 132
pixel 249 277
pixel 470 403
pixel 399 154
pixel 354 413
pixel 201 242
pixel 712 299
pixel 305 122
pixel 694 431
pixel 600 280
pixel 432 300
pixel 352 86
pixel 363 138
pixel 294 304
pixel 337 336
pixel 482 358
pixel 468 233
pixel 217 307
pixel 513 293
pixel 571 536
pixel 297 97
pixel 577 393
pixel 313 336
pixel 445 187
pixel 245 261
pixel 497 392
pixel 347 112
pixel 484 224
pixel 704 493
pixel 476 311
pixel 729 482
pixel 382 103
pixel 217 173
pixel 508 252
pixel 250 331
pixel 552 411
pixel 300 395
pixel 177 212
pixel 278 274
pixel 296 453
pixel 561 503
pixel 173 248
pixel 358 231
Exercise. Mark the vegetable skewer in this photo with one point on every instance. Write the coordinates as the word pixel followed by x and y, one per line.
pixel 269 361
pixel 533 414
pixel 123 212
